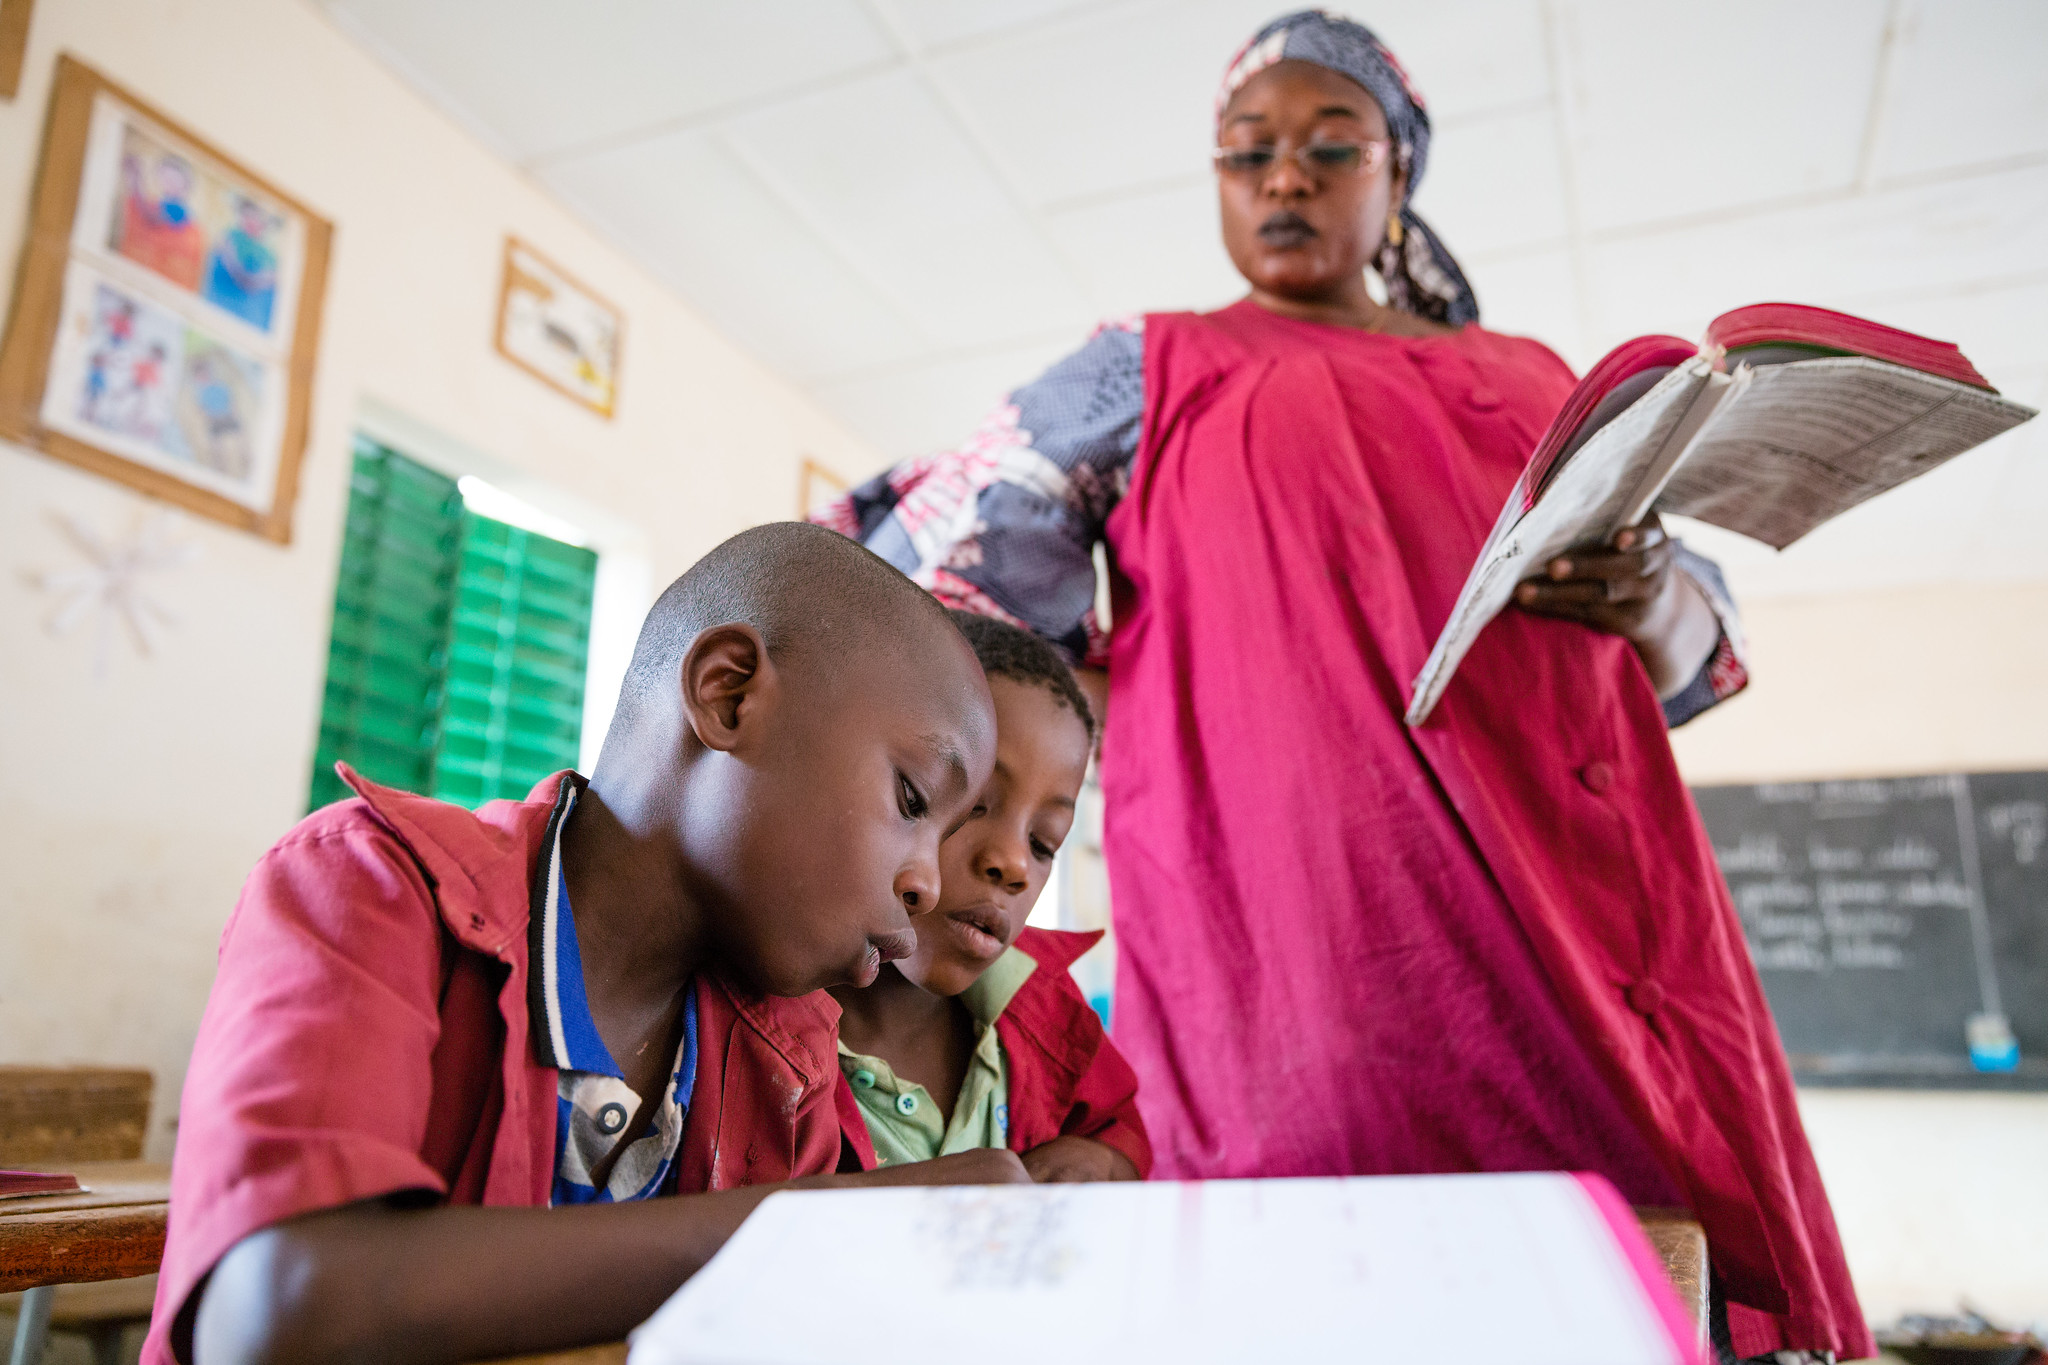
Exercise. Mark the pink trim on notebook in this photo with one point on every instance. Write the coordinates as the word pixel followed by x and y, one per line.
pixel 1628 1235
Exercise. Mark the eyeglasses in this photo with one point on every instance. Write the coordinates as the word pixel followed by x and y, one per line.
pixel 1315 158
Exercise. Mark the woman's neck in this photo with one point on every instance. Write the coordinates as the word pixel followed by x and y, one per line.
pixel 1355 309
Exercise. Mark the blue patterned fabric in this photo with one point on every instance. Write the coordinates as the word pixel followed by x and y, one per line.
pixel 1007 524
pixel 1726 670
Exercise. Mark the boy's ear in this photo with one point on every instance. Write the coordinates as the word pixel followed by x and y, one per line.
pixel 726 677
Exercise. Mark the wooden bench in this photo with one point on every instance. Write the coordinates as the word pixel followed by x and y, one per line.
pixel 53 1115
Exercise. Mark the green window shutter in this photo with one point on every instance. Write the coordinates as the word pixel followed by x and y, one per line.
pixel 518 643
pixel 386 663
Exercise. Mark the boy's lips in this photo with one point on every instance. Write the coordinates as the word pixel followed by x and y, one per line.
pixel 881 948
pixel 981 930
pixel 894 946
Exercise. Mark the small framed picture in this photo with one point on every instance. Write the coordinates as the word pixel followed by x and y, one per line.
pixel 558 331
pixel 164 330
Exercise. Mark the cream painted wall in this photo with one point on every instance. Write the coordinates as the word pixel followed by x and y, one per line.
pixel 134 804
pixel 1939 1196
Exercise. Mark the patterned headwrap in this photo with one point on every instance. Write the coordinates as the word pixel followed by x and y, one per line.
pixel 1421 275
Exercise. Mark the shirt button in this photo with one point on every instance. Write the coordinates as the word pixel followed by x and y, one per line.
pixel 864 1078
pixel 906 1105
pixel 611 1118
pixel 1645 998
pixel 1483 399
pixel 1597 775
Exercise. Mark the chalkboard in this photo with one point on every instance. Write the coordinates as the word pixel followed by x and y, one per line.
pixel 1896 922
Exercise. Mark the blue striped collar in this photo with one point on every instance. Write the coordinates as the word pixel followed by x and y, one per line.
pixel 593 1102
pixel 572 1035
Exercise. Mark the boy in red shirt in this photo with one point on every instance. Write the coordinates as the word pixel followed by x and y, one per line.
pixel 980 1038
pixel 420 1010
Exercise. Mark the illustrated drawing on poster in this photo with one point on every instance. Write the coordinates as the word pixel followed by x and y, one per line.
pixel 558 331
pixel 175 328
pixel 167 342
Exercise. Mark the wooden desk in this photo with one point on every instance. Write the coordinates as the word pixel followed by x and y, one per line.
pixel 614 1354
pixel 1681 1244
pixel 112 1232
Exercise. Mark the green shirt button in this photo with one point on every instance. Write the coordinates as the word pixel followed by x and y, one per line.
pixel 864 1078
pixel 906 1105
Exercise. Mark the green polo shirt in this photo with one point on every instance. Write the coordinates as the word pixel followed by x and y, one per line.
pixel 902 1120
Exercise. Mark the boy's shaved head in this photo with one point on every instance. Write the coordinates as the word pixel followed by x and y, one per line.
pixel 801 725
pixel 812 593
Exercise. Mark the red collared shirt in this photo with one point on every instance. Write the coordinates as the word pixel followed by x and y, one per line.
pixel 368 1034
pixel 1065 1078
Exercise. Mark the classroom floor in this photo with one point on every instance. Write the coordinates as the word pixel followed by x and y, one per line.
pixel 66 1348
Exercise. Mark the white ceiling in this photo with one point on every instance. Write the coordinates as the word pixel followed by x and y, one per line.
pixel 910 206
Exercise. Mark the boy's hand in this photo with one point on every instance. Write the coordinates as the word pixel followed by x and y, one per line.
pixel 1077 1158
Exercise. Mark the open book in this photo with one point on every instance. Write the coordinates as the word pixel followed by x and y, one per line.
pixel 1785 417
pixel 1538 1269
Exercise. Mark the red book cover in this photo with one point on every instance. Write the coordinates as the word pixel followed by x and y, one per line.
pixel 20 1184
pixel 1796 324
pixel 1618 366
pixel 1759 324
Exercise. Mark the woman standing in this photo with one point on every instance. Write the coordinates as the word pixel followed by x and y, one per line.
pixel 1497 942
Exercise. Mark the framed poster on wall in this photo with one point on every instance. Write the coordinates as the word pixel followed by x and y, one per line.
pixel 556 330
pixel 164 327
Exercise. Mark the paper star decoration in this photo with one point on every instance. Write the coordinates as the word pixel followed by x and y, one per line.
pixel 110 591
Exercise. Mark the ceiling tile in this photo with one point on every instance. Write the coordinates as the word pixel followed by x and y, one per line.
pixel 1930 238
pixel 698 221
pixel 1969 87
pixel 1493 183
pixel 541 76
pixel 1157 251
pixel 1104 103
pixel 1128 97
pixel 1675 113
pixel 1532 296
pixel 1468 57
pixel 936 406
pixel 938 23
pixel 1999 326
pixel 882 170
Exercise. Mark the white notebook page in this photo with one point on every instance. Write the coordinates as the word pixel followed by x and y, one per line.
pixel 1440 1268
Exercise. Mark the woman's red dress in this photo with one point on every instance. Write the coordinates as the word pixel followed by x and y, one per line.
pixel 1498 942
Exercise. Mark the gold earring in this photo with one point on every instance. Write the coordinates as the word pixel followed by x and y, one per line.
pixel 1394 226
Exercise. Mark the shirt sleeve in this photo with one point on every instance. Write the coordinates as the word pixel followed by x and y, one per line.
pixel 1726 670
pixel 1105 1107
pixel 311 1078
pixel 1007 524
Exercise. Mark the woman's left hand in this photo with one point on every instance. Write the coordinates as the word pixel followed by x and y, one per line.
pixel 1631 587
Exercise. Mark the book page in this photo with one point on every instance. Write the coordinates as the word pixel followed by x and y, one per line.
pixel 1813 438
pixel 1608 476
pixel 1441 1268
